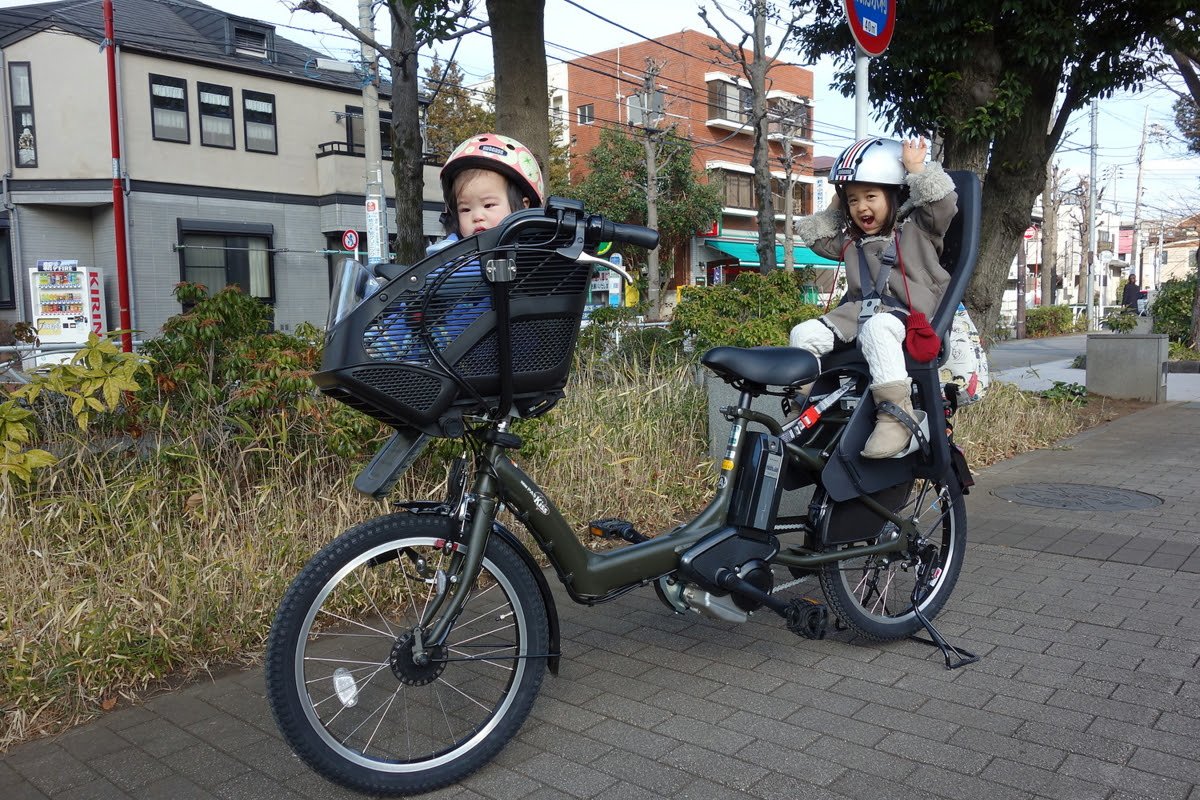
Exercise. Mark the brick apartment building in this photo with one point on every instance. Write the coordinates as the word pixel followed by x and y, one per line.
pixel 706 98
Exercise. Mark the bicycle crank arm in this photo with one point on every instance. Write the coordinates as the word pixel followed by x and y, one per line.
pixel 804 617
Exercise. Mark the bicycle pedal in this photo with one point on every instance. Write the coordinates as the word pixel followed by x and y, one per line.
pixel 807 618
pixel 613 528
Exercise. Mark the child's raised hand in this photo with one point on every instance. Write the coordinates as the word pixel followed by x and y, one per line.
pixel 912 154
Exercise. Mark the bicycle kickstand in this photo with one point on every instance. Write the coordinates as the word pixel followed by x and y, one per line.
pixel 949 651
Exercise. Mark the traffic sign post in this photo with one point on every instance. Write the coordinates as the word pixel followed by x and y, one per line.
pixel 350 242
pixel 871 24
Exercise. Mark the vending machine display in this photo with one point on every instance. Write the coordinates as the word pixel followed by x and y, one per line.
pixel 67 302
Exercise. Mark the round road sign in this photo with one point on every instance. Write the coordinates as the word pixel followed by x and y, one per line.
pixel 350 240
pixel 871 23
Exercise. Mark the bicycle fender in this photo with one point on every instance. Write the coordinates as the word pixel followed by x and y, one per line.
pixel 431 507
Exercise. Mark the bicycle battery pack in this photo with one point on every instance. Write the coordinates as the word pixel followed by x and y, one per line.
pixel 756 487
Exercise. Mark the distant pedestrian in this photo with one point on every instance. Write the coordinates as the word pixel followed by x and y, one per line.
pixel 1130 294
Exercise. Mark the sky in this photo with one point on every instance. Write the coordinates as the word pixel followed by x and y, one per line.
pixel 1171 178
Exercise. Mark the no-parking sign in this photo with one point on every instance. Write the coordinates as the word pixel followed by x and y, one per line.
pixel 871 23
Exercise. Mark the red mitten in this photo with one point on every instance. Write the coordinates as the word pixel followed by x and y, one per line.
pixel 920 340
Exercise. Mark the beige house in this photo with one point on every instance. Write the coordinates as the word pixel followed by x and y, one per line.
pixel 242 156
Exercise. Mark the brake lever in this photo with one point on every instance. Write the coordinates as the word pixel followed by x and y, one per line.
pixel 587 258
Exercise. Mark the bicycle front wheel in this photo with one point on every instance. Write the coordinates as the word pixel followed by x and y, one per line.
pixel 342 681
pixel 873 594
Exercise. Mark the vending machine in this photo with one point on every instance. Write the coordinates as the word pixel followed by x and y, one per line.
pixel 68 302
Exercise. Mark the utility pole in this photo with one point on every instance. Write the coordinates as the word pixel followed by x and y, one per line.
pixel 1093 323
pixel 376 198
pixel 1136 252
pixel 118 189
pixel 787 126
pixel 1049 235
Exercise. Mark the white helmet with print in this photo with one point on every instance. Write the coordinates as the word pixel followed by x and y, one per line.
pixel 872 160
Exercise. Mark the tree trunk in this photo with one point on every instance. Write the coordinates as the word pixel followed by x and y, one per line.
pixel 407 147
pixel 762 147
pixel 1016 175
pixel 654 281
pixel 519 62
pixel 1195 334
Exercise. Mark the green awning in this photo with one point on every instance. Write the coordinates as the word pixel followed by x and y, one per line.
pixel 746 252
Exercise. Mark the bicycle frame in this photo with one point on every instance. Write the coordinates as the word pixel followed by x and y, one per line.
pixel 591 577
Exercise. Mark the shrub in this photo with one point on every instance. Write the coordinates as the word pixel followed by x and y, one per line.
pixel 1119 321
pixel 754 310
pixel 1172 308
pixel 1048 321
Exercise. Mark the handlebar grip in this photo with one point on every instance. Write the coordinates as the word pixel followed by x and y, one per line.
pixel 603 230
pixel 635 235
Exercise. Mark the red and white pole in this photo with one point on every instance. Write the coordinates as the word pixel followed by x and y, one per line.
pixel 118 189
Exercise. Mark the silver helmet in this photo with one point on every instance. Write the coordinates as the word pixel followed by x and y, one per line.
pixel 870 161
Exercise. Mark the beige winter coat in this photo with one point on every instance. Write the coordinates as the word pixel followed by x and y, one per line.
pixel 931 206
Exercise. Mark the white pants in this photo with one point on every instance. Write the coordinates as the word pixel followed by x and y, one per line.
pixel 881 339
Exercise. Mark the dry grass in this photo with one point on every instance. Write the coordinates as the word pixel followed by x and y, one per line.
pixel 1010 422
pixel 123 569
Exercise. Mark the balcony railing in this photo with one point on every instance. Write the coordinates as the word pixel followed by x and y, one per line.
pixel 343 148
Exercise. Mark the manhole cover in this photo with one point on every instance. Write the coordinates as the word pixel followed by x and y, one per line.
pixel 1076 497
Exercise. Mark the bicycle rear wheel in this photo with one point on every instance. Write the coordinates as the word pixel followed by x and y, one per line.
pixel 873 594
pixel 341 679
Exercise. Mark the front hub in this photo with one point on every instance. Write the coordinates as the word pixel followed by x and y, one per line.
pixel 407 670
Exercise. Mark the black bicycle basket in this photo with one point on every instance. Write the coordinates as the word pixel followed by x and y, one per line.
pixel 485 325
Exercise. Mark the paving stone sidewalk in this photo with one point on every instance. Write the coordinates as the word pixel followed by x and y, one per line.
pixel 1087 621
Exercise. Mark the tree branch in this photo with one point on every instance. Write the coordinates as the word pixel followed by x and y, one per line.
pixel 1187 68
pixel 314 7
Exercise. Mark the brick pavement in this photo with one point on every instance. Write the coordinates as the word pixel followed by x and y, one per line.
pixel 1088 686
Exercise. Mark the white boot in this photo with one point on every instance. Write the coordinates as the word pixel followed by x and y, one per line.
pixel 890 435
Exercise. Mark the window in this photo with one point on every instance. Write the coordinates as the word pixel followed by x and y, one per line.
pixel 24 131
pixel 258 114
pixel 7 298
pixel 728 101
pixel 220 254
pixel 216 115
pixel 355 131
pixel 586 114
pixel 738 191
pixel 800 192
pixel 169 108
pixel 791 119
pixel 640 114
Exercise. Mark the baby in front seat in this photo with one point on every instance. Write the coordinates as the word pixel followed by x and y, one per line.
pixel 887 221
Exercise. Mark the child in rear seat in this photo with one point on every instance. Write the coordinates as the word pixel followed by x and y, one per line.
pixel 887 220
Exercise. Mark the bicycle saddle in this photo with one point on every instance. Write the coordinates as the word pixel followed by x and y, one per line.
pixel 762 366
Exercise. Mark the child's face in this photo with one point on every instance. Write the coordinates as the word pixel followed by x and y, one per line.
pixel 482 201
pixel 868 206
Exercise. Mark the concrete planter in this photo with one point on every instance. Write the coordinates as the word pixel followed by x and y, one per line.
pixel 1128 366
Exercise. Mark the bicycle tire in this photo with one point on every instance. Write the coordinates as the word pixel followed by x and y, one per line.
pixel 872 595
pixel 340 679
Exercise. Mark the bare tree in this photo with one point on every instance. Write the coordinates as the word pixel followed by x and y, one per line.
pixel 415 24
pixel 755 66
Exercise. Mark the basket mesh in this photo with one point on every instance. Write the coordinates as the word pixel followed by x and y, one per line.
pixel 432 354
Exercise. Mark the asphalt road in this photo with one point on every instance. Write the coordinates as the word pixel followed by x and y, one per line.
pixel 1031 352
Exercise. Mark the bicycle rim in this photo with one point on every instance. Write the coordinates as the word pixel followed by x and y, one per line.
pixel 873 594
pixel 355 706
